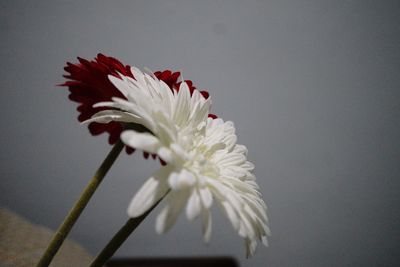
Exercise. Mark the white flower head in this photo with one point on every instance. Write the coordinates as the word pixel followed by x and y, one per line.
pixel 205 165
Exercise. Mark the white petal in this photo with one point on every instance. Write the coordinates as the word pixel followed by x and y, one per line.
pixel 165 154
pixel 106 116
pixel 167 217
pixel 207 225
pixel 195 99
pixel 168 96
pixel 206 197
pixel 193 207
pixel 247 224
pixel 242 230
pixel 240 149
pixel 182 108
pixel 230 141
pixel 150 192
pixel 200 114
pixel 138 74
pixel 181 180
pixel 248 166
pixel 233 159
pixel 234 171
pixel 264 241
pixel 177 149
pixel 138 110
pixel 257 206
pixel 215 147
pixel 144 141
pixel 217 121
pixel 173 180
pixel 231 214
pixel 120 84
pixel 251 245
pixel 230 125
pixel 165 130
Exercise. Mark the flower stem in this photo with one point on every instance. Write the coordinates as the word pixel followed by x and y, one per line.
pixel 78 207
pixel 119 238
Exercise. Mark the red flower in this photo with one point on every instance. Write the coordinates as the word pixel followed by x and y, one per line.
pixel 88 84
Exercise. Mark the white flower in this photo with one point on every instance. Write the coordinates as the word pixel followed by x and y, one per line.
pixel 204 163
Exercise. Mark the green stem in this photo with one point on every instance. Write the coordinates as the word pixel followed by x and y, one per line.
pixel 119 238
pixel 78 207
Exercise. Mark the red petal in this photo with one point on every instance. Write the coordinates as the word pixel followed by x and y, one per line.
pixel 205 94
pixel 129 150
pixel 88 84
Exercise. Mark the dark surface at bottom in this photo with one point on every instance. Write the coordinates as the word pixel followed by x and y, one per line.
pixel 175 262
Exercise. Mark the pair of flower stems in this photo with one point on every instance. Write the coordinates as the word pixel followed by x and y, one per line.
pixel 79 206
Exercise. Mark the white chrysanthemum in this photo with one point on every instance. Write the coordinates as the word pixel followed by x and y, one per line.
pixel 204 163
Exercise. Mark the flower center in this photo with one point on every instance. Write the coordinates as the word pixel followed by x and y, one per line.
pixel 200 163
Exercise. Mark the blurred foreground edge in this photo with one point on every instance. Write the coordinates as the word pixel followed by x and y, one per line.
pixel 175 262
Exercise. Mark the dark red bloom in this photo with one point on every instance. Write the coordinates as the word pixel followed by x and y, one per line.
pixel 88 84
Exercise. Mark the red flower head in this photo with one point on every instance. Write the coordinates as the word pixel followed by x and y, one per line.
pixel 88 84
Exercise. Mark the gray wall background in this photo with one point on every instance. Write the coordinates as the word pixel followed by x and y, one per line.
pixel 312 86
